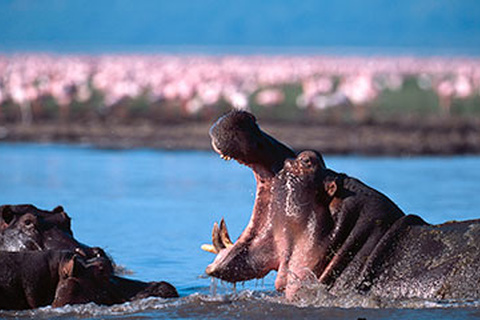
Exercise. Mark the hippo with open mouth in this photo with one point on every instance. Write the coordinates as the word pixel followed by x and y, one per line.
pixel 309 221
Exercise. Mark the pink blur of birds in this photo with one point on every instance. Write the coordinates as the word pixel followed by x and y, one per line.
pixel 199 81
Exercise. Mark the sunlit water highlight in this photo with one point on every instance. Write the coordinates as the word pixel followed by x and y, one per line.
pixel 151 210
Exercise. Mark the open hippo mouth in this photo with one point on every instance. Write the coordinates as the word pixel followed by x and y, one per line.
pixel 237 136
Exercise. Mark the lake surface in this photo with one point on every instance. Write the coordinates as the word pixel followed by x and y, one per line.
pixel 151 210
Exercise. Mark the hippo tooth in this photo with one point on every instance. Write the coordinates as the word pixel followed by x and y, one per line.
pixel 216 238
pixel 209 248
pixel 224 234
pixel 225 157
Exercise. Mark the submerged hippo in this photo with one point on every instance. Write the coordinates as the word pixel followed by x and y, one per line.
pixel 309 221
pixel 29 279
pixel 32 279
pixel 95 281
pixel 39 256
pixel 26 227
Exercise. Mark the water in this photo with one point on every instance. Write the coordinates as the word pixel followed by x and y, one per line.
pixel 151 210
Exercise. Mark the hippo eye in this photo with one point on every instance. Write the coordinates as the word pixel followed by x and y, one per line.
pixel 28 222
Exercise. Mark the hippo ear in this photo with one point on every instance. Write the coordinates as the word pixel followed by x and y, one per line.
pixel 7 214
pixel 58 209
pixel 320 159
pixel 331 188
pixel 65 222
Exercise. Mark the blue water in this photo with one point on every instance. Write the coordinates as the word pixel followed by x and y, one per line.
pixel 151 210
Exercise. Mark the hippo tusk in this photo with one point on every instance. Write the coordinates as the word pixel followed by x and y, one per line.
pixel 209 248
pixel 217 244
pixel 220 238
pixel 224 234
pixel 216 238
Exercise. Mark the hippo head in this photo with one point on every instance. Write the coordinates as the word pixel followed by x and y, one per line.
pixel 83 280
pixel 25 227
pixel 288 223
pixel 86 278
pixel 237 136
pixel 9 214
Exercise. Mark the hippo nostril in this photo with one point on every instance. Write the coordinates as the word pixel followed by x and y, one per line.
pixel 306 162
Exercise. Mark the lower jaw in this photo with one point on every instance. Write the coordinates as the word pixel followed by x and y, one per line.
pixel 249 273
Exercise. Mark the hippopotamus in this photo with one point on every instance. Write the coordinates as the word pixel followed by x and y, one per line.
pixel 32 279
pixel 31 236
pixel 95 281
pixel 26 227
pixel 29 279
pixel 311 222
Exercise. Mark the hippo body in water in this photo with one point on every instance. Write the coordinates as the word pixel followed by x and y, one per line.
pixel 42 264
pixel 29 279
pixel 33 279
pixel 311 222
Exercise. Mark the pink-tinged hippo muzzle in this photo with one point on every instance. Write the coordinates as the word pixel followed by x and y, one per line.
pixel 274 238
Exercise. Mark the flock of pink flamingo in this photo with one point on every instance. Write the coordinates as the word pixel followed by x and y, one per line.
pixel 199 81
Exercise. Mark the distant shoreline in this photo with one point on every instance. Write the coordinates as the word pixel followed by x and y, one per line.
pixel 373 139
pixel 239 50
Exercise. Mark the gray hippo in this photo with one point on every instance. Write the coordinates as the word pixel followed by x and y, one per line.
pixel 309 221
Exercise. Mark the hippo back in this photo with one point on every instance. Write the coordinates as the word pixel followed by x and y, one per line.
pixel 433 262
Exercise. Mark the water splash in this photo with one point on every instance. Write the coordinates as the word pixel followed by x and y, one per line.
pixel 225 301
pixel 249 304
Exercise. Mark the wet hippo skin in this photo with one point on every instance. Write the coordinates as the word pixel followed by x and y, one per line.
pixel 26 227
pixel 29 279
pixel 42 264
pixel 33 279
pixel 311 222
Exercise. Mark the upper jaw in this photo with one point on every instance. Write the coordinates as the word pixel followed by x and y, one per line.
pixel 265 161
pixel 248 258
